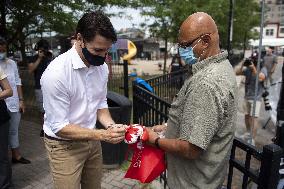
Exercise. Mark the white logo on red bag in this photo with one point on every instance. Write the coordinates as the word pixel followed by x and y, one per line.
pixel 138 159
pixel 133 133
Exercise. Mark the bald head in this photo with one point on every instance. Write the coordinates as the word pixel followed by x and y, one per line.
pixel 200 25
pixel 197 24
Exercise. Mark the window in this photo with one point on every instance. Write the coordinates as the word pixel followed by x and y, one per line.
pixel 281 30
pixel 269 32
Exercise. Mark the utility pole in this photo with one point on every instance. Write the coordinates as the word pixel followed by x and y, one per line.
pixel 230 26
pixel 258 60
pixel 3 32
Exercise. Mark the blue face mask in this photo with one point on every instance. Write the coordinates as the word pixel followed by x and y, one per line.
pixel 2 56
pixel 187 55
pixel 94 60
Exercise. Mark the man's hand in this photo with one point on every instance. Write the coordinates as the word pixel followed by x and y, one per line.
pixel 113 135
pixel 41 54
pixel 251 66
pixel 159 128
pixel 152 135
pixel 22 106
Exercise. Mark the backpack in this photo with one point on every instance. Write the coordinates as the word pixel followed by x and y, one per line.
pixel 4 115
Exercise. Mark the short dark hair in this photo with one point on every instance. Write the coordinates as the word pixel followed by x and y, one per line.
pixel 42 44
pixel 2 41
pixel 93 23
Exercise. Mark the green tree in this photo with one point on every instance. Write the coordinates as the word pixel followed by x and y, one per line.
pixel 22 18
pixel 168 16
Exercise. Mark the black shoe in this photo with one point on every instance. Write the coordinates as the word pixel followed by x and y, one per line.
pixel 21 160
pixel 41 134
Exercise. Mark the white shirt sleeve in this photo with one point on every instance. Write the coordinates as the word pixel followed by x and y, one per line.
pixel 16 73
pixel 56 101
pixel 103 103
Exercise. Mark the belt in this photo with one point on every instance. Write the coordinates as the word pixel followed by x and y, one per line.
pixel 56 139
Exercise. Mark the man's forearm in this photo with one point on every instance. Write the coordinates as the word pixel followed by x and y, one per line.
pixel 273 68
pixel 20 92
pixel 180 147
pixel 6 89
pixel 239 71
pixel 104 117
pixel 34 65
pixel 76 132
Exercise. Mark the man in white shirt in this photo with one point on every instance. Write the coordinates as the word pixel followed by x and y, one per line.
pixel 74 88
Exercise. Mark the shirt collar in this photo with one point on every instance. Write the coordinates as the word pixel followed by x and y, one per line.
pixel 77 62
pixel 212 59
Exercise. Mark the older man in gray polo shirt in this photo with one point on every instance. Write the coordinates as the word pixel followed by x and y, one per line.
pixel 202 118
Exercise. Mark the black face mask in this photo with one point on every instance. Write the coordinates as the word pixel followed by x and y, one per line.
pixel 94 60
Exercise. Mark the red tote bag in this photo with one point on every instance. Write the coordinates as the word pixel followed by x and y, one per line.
pixel 147 163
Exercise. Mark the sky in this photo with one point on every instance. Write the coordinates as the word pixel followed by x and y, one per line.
pixel 130 18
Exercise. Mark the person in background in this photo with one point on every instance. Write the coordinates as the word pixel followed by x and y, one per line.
pixel 109 64
pixel 249 70
pixel 176 64
pixel 72 40
pixel 270 62
pixel 201 122
pixel 14 103
pixel 37 67
pixel 5 92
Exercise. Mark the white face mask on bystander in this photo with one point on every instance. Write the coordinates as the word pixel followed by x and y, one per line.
pixel 3 55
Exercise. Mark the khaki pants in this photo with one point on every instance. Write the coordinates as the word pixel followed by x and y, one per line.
pixel 74 163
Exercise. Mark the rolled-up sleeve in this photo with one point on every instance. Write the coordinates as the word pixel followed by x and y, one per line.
pixel 201 116
pixel 103 104
pixel 56 101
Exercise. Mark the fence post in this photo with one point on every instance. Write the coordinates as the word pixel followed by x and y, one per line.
pixel 134 91
pixel 125 72
pixel 269 170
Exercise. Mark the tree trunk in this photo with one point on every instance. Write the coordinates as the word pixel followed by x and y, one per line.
pixel 22 49
pixel 3 18
pixel 165 55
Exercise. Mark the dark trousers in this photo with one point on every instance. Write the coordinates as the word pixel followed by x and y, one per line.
pixel 5 166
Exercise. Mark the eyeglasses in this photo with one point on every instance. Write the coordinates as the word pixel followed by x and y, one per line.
pixel 188 44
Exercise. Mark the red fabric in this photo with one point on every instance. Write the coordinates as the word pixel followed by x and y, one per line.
pixel 134 133
pixel 147 163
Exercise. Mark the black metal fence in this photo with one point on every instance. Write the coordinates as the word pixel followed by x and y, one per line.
pixel 266 176
pixel 152 108
pixel 116 77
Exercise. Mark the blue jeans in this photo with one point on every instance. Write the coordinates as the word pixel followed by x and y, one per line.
pixel 14 123
pixel 5 166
